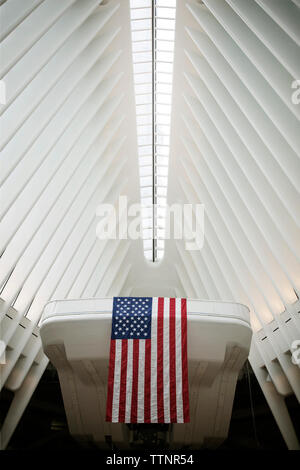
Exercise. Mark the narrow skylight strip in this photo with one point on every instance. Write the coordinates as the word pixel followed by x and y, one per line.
pixel 153 33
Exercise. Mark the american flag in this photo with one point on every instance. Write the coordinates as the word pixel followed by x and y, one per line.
pixel 148 371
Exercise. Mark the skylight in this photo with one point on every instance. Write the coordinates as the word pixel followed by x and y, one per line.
pixel 153 34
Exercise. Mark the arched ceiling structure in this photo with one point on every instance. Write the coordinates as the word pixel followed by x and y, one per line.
pixel 69 143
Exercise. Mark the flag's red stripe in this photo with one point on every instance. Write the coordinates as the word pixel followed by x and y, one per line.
pixel 172 361
pixel 147 383
pixel 160 361
pixel 135 376
pixel 185 383
pixel 110 386
pixel 122 399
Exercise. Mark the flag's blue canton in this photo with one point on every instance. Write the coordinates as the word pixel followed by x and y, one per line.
pixel 131 318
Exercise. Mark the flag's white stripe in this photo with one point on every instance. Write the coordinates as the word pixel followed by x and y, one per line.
pixel 141 379
pixel 117 378
pixel 179 402
pixel 153 404
pixel 166 360
pixel 129 381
